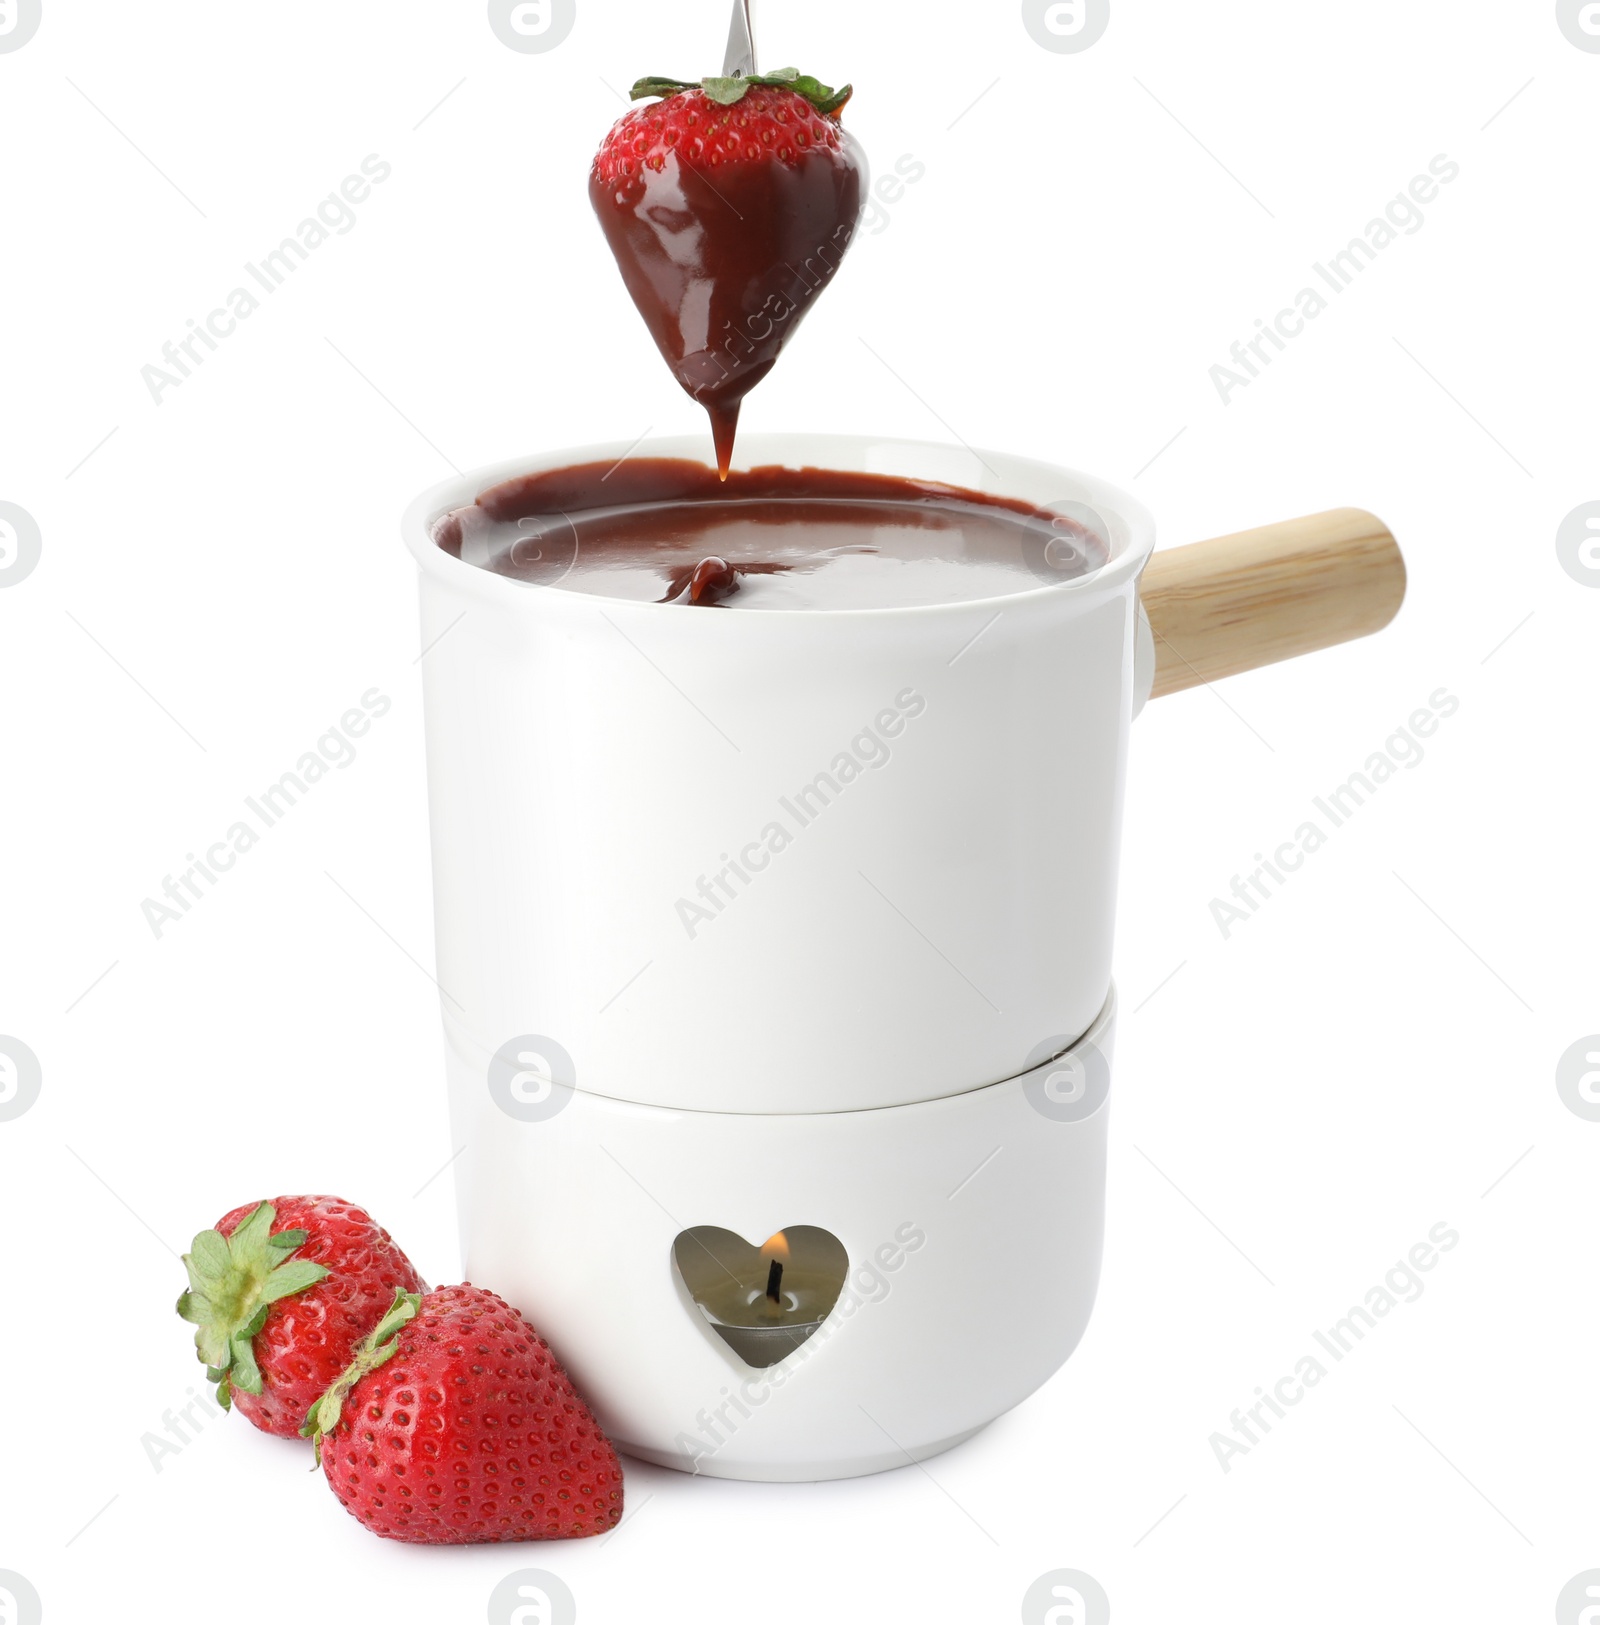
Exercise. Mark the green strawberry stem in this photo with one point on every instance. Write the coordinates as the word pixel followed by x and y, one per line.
pixel 233 1282
pixel 381 1346
pixel 726 92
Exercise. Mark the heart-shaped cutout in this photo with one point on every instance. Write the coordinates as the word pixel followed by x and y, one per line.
pixel 765 1301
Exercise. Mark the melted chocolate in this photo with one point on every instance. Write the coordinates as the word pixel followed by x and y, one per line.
pixel 723 265
pixel 668 531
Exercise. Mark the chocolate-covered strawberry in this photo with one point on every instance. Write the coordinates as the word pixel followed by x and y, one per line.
pixel 456 1425
pixel 282 1293
pixel 729 206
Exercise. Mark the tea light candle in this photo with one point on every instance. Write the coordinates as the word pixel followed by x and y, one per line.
pixel 765 1319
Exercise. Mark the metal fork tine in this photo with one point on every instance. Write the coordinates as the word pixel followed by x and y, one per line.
pixel 741 58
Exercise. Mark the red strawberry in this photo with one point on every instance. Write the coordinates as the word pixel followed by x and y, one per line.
pixel 728 206
pixel 455 1425
pixel 283 1293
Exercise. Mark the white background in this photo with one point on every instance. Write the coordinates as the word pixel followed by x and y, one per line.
pixel 1295 1107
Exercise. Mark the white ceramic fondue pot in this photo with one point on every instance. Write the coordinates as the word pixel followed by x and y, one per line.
pixel 786 918
pixel 787 861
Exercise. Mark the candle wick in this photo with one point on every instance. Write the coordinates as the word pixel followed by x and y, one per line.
pixel 775 1281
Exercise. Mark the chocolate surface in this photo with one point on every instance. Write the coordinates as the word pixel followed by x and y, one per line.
pixel 668 531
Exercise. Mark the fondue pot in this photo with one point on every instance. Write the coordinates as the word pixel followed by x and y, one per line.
pixel 775 950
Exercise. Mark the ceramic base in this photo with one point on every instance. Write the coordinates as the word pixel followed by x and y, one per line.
pixel 973 1226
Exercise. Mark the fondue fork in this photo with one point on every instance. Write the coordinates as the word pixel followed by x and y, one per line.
pixel 741 57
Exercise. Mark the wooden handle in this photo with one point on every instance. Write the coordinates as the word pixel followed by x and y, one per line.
pixel 1221 607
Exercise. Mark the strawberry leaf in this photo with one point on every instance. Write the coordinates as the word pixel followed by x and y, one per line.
pixel 832 103
pixel 252 1230
pixel 381 1346
pixel 725 92
pixel 243 1372
pixel 287 1279
pixel 211 1344
pixel 234 1281
pixel 660 87
pixel 208 1263
pixel 728 92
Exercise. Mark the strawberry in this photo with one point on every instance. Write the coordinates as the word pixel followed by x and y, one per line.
pixel 454 1425
pixel 282 1293
pixel 729 206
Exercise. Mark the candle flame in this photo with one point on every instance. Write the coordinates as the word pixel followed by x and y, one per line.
pixel 777 1247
